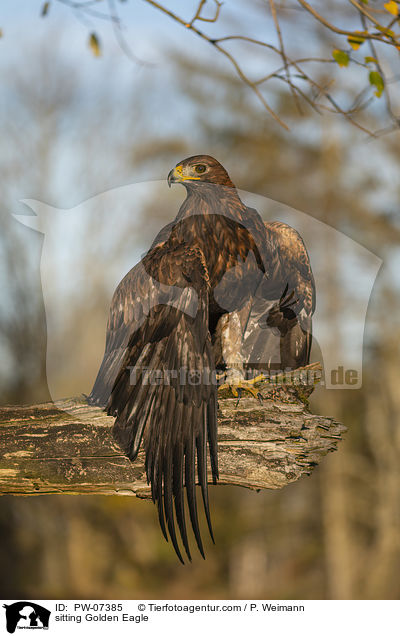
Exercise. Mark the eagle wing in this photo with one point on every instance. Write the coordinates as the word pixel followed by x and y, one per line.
pixel 157 335
pixel 276 322
pixel 292 314
pixel 295 265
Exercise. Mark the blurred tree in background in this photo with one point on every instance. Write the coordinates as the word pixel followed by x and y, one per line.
pixel 334 535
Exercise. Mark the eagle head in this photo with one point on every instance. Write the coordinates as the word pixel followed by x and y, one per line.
pixel 198 170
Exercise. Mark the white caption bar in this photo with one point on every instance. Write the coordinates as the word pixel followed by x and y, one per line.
pixel 150 617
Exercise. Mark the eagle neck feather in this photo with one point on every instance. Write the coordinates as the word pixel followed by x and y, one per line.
pixel 212 199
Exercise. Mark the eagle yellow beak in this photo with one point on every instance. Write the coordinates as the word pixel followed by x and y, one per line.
pixel 176 176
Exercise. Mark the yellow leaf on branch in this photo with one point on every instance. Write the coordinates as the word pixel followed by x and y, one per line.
pixel 376 79
pixel 356 39
pixel 94 44
pixel 392 7
pixel 341 57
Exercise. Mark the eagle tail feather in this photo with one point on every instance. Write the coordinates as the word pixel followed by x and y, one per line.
pixel 190 482
pixel 177 483
pixel 201 445
pixel 212 437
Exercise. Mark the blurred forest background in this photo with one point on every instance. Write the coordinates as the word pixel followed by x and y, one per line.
pixel 73 126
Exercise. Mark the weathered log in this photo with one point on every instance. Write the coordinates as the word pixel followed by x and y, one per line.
pixel 67 447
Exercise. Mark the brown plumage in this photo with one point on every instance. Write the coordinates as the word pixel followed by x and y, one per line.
pixel 216 263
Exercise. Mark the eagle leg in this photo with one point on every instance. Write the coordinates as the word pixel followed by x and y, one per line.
pixel 228 353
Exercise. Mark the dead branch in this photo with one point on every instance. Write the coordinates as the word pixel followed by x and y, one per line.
pixel 68 448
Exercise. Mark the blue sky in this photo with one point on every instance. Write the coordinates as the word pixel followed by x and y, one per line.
pixel 141 21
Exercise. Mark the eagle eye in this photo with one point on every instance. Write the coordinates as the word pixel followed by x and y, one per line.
pixel 200 168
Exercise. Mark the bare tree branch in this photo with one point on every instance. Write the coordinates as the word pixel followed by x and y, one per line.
pixel 46 450
pixel 335 29
pixel 283 54
pixel 198 15
pixel 377 27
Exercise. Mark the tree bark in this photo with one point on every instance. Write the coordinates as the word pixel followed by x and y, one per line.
pixel 67 447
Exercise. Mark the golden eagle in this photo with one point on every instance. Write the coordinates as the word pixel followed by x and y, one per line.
pixel 216 289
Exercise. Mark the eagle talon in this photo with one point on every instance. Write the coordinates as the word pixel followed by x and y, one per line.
pixel 237 386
